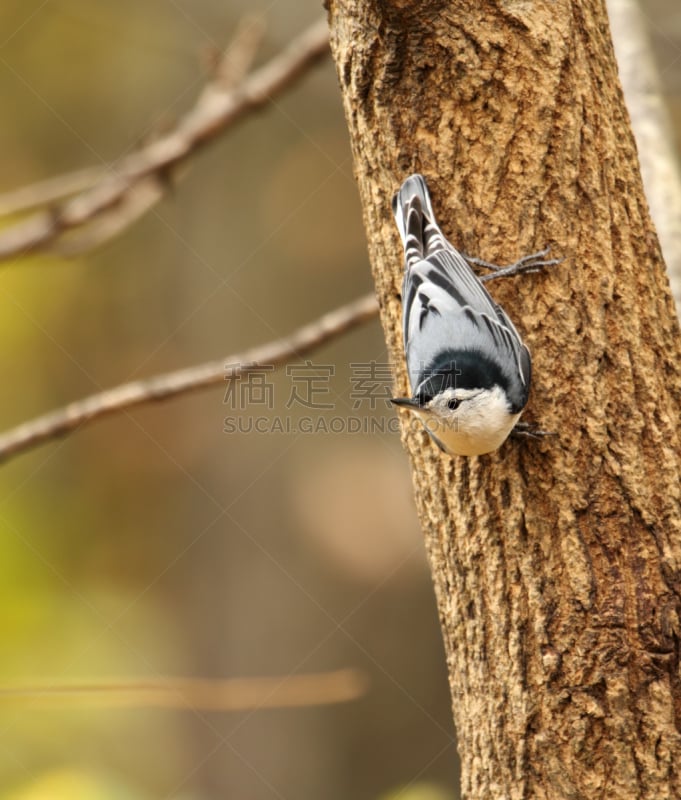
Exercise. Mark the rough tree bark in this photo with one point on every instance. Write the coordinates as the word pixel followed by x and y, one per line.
pixel 557 563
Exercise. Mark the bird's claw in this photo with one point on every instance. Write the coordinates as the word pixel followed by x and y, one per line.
pixel 530 430
pixel 535 262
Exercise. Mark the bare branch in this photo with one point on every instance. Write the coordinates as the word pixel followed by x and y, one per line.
pixel 219 106
pixel 233 694
pixel 231 66
pixel 162 387
pixel 43 193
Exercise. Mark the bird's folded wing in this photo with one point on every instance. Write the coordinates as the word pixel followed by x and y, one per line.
pixel 445 305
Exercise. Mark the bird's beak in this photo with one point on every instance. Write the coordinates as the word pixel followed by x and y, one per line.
pixel 406 402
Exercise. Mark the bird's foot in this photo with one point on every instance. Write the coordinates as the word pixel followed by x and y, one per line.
pixel 530 430
pixel 532 263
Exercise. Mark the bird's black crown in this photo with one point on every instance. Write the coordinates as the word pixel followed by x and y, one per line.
pixel 460 369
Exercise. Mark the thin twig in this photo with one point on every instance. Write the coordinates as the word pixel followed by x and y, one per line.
pixel 229 70
pixel 218 107
pixel 232 694
pixel 49 191
pixel 161 387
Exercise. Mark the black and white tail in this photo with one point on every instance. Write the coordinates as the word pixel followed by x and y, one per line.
pixel 415 219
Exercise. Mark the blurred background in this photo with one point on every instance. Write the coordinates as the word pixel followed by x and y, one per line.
pixel 155 543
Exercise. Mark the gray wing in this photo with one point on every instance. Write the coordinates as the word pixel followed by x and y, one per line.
pixel 447 307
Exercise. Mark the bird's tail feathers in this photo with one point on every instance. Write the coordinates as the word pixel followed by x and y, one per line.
pixel 416 221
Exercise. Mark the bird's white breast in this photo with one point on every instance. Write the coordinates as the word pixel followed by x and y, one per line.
pixel 474 443
pixel 480 425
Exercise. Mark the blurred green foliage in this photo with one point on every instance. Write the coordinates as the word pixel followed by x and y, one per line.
pixel 74 785
pixel 419 791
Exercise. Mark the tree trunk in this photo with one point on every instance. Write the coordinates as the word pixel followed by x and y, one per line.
pixel 556 562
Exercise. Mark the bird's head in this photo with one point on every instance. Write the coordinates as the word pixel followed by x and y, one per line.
pixel 464 421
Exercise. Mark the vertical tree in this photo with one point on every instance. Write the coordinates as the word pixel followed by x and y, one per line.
pixel 556 563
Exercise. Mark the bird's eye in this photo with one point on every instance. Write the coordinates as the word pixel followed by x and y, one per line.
pixel 453 404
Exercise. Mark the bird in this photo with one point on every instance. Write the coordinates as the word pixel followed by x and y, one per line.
pixel 469 370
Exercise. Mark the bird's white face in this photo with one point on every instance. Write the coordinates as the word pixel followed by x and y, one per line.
pixel 468 422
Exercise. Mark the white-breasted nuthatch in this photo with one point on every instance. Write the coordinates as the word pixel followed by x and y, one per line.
pixel 468 367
